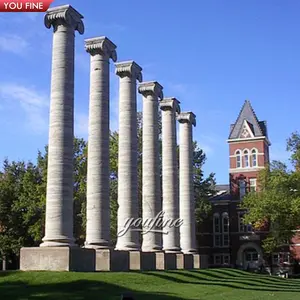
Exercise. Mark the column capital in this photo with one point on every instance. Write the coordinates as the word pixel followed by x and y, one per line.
pixel 187 117
pixel 129 69
pixel 151 88
pixel 101 45
pixel 65 15
pixel 170 103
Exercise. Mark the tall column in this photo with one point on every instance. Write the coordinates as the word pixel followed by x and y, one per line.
pixel 59 201
pixel 186 183
pixel 170 107
pixel 152 92
pixel 129 72
pixel 101 50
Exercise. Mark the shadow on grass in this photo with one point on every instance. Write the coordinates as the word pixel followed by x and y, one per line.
pixel 76 290
pixel 212 278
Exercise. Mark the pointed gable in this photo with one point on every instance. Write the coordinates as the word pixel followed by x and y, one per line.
pixel 247 121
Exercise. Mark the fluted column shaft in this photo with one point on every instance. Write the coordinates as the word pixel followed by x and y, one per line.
pixel 169 107
pixel 152 205
pixel 59 199
pixel 98 202
pixel 186 184
pixel 128 203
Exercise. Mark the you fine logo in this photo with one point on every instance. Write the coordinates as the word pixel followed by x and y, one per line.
pixel 157 224
pixel 24 5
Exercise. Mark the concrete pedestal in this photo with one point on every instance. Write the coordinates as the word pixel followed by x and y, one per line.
pixel 57 259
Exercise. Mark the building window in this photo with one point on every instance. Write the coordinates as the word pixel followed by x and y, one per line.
pixel 254 158
pixel 217 259
pixel 242 187
pixel 217 230
pixel 225 222
pixel 225 231
pixel 226 259
pixel 253 184
pixel 281 258
pixel 246 228
pixel 217 240
pixel 217 223
pixel 246 159
pixel 225 240
pixel 238 159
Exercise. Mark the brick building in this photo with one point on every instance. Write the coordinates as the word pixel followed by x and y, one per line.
pixel 225 239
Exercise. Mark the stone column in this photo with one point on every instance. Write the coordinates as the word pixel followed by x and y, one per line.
pixel 186 184
pixel 101 50
pixel 59 202
pixel 129 72
pixel 170 107
pixel 152 92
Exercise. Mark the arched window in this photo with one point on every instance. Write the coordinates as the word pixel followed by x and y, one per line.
pixel 225 231
pixel 254 158
pixel 246 158
pixel 238 159
pixel 225 222
pixel 217 230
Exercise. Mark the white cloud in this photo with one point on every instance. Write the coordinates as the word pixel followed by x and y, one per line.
pixel 13 43
pixel 32 102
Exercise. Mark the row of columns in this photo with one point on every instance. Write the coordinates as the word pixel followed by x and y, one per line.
pixel 177 193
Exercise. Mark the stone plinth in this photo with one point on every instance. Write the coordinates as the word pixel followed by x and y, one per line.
pixel 57 259
pixel 179 261
pixel 196 261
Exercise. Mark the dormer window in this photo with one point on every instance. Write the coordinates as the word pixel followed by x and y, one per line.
pixel 246 158
pixel 238 159
pixel 254 158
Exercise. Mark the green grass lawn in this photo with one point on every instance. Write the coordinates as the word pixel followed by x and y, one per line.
pixel 211 284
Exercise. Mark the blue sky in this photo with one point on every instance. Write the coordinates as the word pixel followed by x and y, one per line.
pixel 211 55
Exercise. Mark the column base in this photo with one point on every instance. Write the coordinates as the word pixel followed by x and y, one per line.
pixel 57 259
pixel 102 245
pixel 60 241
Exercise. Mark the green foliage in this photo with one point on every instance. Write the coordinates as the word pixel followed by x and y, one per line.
pixel 293 146
pixel 204 187
pixel 277 202
pixel 23 194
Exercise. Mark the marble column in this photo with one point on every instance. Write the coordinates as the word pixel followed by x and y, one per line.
pixel 170 107
pixel 152 206
pixel 129 72
pixel 101 50
pixel 186 184
pixel 65 20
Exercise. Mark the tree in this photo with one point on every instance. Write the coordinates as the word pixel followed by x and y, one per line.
pixel 21 206
pixel 23 194
pixel 276 204
pixel 204 187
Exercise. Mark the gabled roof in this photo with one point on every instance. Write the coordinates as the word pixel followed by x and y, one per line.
pixel 258 128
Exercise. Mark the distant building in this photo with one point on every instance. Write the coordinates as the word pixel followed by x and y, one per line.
pixel 225 238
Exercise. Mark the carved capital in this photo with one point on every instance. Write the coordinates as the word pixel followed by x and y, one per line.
pixel 101 45
pixel 151 88
pixel 170 104
pixel 64 15
pixel 187 117
pixel 129 69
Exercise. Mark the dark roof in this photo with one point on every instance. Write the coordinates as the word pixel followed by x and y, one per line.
pixel 223 192
pixel 222 187
pixel 259 128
